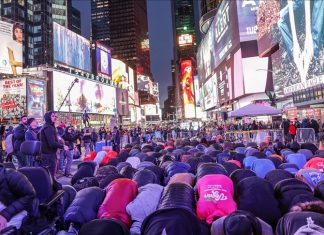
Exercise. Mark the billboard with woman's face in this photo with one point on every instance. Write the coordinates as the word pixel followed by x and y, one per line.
pixel 11 53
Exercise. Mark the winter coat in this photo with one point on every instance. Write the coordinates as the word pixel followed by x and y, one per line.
pixel 252 193
pixel 48 136
pixel 186 178
pixel 69 139
pixel 178 195
pixel 134 161
pixel 119 194
pixel 19 136
pixel 16 192
pixel 304 222
pixel 292 129
pixel 215 197
pixel 85 169
pixel 9 144
pixel 31 134
pixel 143 205
pixel 144 177
pixel 80 214
pixel 175 168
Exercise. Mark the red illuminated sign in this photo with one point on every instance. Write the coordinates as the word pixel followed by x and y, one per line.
pixel 188 88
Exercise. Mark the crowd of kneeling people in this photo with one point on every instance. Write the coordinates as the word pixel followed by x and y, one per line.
pixel 183 187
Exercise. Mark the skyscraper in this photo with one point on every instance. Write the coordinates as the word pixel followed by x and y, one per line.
pixel 185 38
pixel 75 20
pixel 123 26
pixel 37 17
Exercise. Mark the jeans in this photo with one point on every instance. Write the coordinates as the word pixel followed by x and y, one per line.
pixel 87 148
pixel 68 156
pixel 17 219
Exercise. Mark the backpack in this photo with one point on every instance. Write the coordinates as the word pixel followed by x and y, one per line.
pixel 86 182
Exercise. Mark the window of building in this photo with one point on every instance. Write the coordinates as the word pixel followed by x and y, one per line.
pixel 7 11
pixel 6 1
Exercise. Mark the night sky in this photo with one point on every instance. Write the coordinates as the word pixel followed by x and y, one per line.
pixel 160 34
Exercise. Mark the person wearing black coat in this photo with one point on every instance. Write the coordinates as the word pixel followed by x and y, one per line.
pixel 116 140
pixel 19 137
pixel 69 140
pixel 50 143
pixel 17 195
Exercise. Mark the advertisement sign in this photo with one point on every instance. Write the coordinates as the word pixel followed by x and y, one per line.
pixel 144 83
pixel 185 39
pixel 187 88
pixel 246 11
pixel 150 109
pixel 103 60
pixel 209 90
pixel 220 39
pixel 36 93
pixel 196 87
pixel 11 52
pixel 131 86
pixel 70 48
pixel 12 98
pixel 224 79
pixel 299 64
pixel 122 102
pixel 268 15
pixel 85 95
pixel 119 74
pixel 155 89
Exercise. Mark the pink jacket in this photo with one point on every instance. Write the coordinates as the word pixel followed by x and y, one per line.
pixel 120 193
pixel 215 197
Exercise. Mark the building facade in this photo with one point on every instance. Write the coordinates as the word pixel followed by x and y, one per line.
pixel 37 17
pixel 123 26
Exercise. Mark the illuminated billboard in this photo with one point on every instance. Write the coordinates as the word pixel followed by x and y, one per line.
pixel 11 52
pixel 185 40
pixel 299 62
pixel 131 86
pixel 144 83
pixel 85 95
pixel 197 92
pixel 71 49
pixel 145 45
pixel 187 88
pixel 246 11
pixel 103 60
pixel 219 41
pixel 122 102
pixel 210 93
pixel 36 98
pixel 13 98
pixel 119 74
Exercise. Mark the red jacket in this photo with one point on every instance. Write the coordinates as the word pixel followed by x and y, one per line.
pixel 292 129
pixel 119 194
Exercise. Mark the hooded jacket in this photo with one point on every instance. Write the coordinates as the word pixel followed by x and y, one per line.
pixel 68 138
pixel 48 136
pixel 143 205
pixel 16 192
pixel 175 168
pixel 79 213
pixel 215 197
pixel 256 195
pixel 300 223
pixel 119 194
pixel 19 136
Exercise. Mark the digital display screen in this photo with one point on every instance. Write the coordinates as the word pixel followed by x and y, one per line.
pixel 188 88
pixel 11 48
pixel 85 95
pixel 103 60
pixel 299 62
pixel 71 49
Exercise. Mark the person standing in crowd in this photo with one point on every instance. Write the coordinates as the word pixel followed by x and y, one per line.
pixel 87 140
pixel 102 133
pixel 69 140
pixel 19 137
pixel 85 118
pixel 31 135
pixel 292 130
pixel 316 127
pixel 32 132
pixel 285 126
pixel 297 123
pixel 94 139
pixel 16 197
pixel 50 143
pixel 116 140
pixel 2 137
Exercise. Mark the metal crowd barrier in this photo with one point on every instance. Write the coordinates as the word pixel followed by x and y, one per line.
pixel 305 135
pixel 256 136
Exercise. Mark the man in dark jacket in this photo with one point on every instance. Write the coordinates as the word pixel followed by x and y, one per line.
pixel 19 137
pixel 285 126
pixel 50 143
pixel 116 139
pixel 16 197
pixel 69 140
